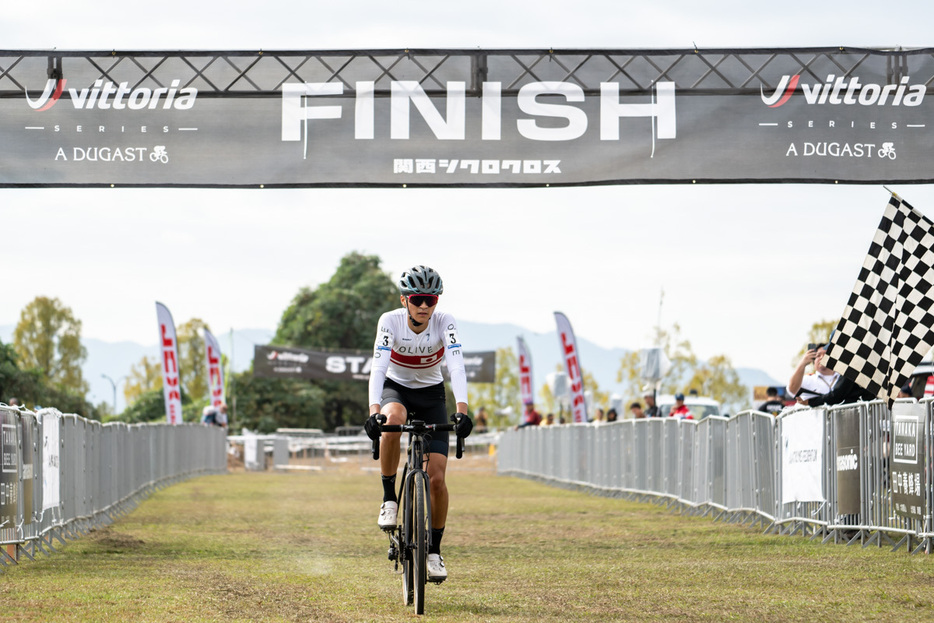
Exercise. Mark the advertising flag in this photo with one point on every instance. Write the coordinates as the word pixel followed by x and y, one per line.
pixel 572 364
pixel 525 373
pixel 168 346
pixel 212 354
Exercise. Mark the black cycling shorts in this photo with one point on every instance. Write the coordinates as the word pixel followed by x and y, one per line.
pixel 424 403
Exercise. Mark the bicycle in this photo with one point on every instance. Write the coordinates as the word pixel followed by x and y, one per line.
pixel 410 541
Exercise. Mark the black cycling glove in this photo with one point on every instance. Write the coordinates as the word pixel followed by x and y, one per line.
pixel 371 426
pixel 462 425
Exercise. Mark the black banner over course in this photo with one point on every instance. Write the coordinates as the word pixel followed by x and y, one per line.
pixel 465 117
pixel 283 362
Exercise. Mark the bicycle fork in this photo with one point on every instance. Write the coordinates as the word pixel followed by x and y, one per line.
pixel 401 545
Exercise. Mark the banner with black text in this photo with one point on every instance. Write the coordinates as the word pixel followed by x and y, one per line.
pixel 298 363
pixel 460 117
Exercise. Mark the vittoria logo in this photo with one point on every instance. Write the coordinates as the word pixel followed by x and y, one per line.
pixel 845 90
pixel 104 95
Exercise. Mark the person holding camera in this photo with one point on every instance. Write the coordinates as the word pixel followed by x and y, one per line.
pixel 805 386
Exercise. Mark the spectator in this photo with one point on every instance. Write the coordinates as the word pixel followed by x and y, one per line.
pixel 680 410
pixel 598 416
pixel 636 410
pixel 222 415
pixel 651 409
pixel 905 391
pixel 773 404
pixel 844 391
pixel 611 415
pixel 14 402
pixel 531 418
pixel 549 420
pixel 481 421
pixel 209 415
pixel 804 386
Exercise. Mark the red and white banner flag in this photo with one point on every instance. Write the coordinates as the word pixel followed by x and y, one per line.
pixel 212 353
pixel 168 346
pixel 525 373
pixel 572 364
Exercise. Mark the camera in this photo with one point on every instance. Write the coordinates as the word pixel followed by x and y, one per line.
pixel 813 346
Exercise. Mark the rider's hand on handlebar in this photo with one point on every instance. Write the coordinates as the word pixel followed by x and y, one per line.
pixel 371 426
pixel 462 424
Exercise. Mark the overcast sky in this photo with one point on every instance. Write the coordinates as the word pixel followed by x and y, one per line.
pixel 746 269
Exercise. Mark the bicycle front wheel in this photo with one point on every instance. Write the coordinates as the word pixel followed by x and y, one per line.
pixel 406 541
pixel 420 533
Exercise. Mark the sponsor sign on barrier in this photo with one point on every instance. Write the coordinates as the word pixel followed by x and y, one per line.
pixel 907 443
pixel 848 461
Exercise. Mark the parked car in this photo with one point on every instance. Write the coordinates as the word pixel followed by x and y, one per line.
pixel 700 406
pixel 922 380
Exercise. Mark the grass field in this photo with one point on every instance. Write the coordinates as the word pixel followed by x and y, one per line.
pixel 305 547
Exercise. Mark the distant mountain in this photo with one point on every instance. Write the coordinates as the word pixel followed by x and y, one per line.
pixel 115 358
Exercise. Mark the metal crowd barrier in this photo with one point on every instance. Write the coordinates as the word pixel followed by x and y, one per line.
pixel 731 469
pixel 63 475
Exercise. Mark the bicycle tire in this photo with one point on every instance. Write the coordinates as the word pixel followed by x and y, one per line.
pixel 420 551
pixel 405 545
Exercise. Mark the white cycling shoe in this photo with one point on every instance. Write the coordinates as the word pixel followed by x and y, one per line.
pixel 387 515
pixel 436 570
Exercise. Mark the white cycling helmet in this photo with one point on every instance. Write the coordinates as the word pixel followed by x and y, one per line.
pixel 420 280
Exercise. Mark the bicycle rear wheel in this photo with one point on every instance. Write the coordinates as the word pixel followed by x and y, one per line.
pixel 420 551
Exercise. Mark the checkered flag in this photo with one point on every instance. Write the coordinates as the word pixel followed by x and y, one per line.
pixel 888 325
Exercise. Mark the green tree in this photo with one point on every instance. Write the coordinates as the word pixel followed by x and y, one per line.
pixel 149 406
pixel 502 398
pixel 263 405
pixel 339 314
pixel 145 376
pixel 715 377
pixel 343 312
pixel 24 385
pixel 48 337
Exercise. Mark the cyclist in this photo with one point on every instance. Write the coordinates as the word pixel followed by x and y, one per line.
pixel 406 378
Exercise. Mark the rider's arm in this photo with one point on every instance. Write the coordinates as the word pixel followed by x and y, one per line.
pixel 454 357
pixel 382 351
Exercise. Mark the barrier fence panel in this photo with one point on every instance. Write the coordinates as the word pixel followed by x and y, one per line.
pixel 62 475
pixel 849 473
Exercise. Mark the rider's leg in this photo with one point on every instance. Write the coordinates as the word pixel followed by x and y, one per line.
pixel 389 451
pixel 436 467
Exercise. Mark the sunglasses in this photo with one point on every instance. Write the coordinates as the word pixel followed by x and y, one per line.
pixel 428 299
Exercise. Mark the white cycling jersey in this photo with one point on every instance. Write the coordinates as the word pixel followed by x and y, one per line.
pixel 414 359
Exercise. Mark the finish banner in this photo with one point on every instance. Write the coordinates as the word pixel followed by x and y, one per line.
pixel 285 362
pixel 461 117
